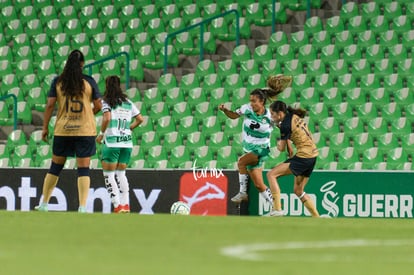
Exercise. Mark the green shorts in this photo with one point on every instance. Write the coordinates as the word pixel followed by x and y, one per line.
pixel 116 155
pixel 262 152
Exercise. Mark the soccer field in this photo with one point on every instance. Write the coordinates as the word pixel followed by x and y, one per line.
pixel 72 243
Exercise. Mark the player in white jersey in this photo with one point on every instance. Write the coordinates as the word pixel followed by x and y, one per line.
pixel 257 128
pixel 120 117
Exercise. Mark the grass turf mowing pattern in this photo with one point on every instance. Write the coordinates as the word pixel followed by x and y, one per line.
pixel 73 243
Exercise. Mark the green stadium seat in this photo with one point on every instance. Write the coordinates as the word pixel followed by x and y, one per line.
pixel 158 110
pixel 386 142
pixel 202 155
pixel 313 25
pixel 346 157
pixel 393 82
pixel 407 143
pixel 346 82
pixel 374 53
pixel 307 53
pixel 24 112
pixel 367 111
pixel 204 110
pixel 232 126
pixel 277 39
pixel 315 67
pixel 300 82
pixel 321 39
pixel 407 39
pixel 379 97
pixel 87 12
pixel 204 68
pixel 328 126
pixel 136 69
pixel 403 97
pixel 15 138
pixel 334 25
pixel 339 141
pixel 298 39
pixel 322 83
pixel 37 99
pixel 354 125
pixel 248 67
pixel 329 53
pixel 271 67
pixel 369 10
pixel 172 139
pixel 169 12
pixel 288 96
pixel 5 117
pixel 42 153
pixel 240 96
pixel 133 94
pixel 357 24
pixel 181 109
pixel 188 82
pixel 362 142
pixel 255 81
pixel 401 24
pixel 225 68
pixel 370 81
pixel 226 157
pixel 392 10
pixel 293 67
pixel 233 81
pixel 241 53
pixel 285 53
pixel 12 28
pixel 146 55
pixel 218 96
pixel 190 12
pixel 352 53
pixel 209 125
pixel 166 82
pixel 149 139
pixel 173 96
pixel 156 153
pixel 179 154
pixel 218 140
pixel 360 67
pixel 195 140
pixel 344 39
pixel 378 24
pixel 391 111
pixel 371 156
pixel 401 127
pixel 93 25
pixel 365 39
pixel 337 68
pixel 326 155
pixel 397 53
pixel 24 67
pixel 377 126
pixel 332 96
pixel 151 96
pixel 318 111
pixel 349 10
pixel 388 38
pixel 383 67
pixel 395 157
pixel 144 127
pixel 79 40
pixel 211 81
pixel 195 96
pixel 164 125
pixel 187 125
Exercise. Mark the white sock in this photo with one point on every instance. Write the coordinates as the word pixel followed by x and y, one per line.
pixel 112 187
pixel 123 186
pixel 243 180
pixel 267 195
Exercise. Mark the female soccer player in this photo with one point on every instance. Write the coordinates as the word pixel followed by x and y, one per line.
pixel 116 135
pixel 293 127
pixel 257 127
pixel 75 127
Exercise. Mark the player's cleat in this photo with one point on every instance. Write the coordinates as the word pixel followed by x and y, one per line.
pixel 274 213
pixel 239 197
pixel 41 207
pixel 121 209
pixel 126 209
pixel 82 209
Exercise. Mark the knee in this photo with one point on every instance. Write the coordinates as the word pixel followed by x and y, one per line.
pixel 298 191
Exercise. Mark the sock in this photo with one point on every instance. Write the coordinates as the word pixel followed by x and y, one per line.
pixel 123 184
pixel 277 204
pixel 83 189
pixel 243 180
pixel 112 187
pixel 49 184
pixel 311 208
pixel 267 195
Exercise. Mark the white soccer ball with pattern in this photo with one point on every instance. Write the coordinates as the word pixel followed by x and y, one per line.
pixel 180 208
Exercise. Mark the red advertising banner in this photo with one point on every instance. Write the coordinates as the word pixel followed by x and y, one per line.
pixel 205 193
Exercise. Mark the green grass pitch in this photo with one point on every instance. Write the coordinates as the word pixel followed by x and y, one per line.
pixel 72 243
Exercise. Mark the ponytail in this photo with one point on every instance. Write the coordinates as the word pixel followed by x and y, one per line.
pixel 280 106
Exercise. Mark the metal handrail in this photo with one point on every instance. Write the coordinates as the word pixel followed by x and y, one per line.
pixel 14 108
pixel 89 66
pixel 201 25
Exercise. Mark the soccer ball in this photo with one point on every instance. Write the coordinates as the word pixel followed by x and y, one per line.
pixel 180 208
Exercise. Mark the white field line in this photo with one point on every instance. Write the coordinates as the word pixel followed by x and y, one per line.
pixel 252 251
